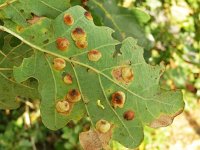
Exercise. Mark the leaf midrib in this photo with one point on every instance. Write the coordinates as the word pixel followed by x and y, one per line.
pixel 7 3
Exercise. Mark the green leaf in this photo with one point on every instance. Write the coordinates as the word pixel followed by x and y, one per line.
pixel 141 16
pixel 51 87
pixel 22 10
pixel 12 92
pixel 151 105
pixel 126 22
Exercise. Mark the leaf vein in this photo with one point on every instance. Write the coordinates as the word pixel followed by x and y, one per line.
pixel 112 108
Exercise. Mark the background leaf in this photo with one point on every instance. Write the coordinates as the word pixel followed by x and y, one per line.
pixel 126 22
pixel 12 92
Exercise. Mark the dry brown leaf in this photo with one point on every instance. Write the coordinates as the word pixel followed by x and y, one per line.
pixel 164 120
pixel 94 140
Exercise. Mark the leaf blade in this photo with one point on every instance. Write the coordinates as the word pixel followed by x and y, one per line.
pixel 143 93
pixel 13 93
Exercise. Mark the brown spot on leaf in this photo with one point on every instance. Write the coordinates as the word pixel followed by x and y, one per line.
pixel 59 64
pixel 63 107
pixel 94 55
pixel 164 120
pixel 129 115
pixel 117 74
pixel 19 29
pixel 81 44
pixel 78 34
pixel 62 43
pixel 88 15
pixel 67 79
pixel 94 140
pixel 123 74
pixel 68 19
pixel 73 96
pixel 103 126
pixel 127 74
pixel 118 99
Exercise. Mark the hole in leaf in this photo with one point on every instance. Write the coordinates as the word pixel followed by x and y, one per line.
pixel 14 42
pixel 21 10
pixel 34 19
pixel 46 41
pixel 1 40
pixel 117 50
pixel 118 36
pixel 32 14
pixel 63 74
pixel 1 22
pixel 32 37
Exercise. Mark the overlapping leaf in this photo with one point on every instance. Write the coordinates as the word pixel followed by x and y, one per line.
pixel 152 106
pixel 12 92
pixel 126 22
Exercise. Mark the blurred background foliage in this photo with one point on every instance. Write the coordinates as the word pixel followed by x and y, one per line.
pixel 171 35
